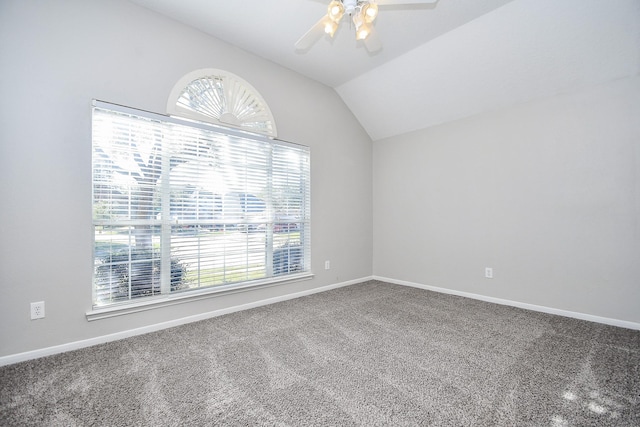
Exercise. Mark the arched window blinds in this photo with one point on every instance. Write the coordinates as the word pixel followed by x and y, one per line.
pixel 220 97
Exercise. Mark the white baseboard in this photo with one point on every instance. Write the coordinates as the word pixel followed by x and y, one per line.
pixel 540 308
pixel 76 345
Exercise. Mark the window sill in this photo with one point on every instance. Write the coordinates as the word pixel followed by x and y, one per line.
pixel 180 298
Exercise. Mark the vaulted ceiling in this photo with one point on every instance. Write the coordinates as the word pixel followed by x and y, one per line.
pixel 439 62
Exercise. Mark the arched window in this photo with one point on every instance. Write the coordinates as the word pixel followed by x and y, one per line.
pixel 220 97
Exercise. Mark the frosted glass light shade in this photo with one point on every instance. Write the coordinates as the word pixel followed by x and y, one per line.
pixel 335 10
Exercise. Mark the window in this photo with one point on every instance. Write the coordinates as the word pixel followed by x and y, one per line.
pixel 183 207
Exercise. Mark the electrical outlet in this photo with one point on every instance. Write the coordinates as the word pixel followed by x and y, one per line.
pixel 327 265
pixel 37 310
pixel 488 273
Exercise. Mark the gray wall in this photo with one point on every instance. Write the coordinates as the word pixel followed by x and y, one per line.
pixel 55 57
pixel 546 193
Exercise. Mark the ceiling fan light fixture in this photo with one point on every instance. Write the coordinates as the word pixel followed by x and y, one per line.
pixel 335 11
pixel 370 12
pixel 361 15
pixel 330 27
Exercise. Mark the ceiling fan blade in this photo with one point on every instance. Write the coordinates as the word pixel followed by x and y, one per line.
pixel 312 36
pixel 402 2
pixel 373 42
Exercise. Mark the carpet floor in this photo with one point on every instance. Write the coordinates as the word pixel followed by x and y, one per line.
pixel 372 354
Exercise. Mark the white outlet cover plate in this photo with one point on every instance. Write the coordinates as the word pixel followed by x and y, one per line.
pixel 37 310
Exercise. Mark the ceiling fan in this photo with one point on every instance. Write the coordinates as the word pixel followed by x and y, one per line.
pixel 361 14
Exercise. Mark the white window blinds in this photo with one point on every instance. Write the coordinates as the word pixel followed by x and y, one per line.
pixel 181 206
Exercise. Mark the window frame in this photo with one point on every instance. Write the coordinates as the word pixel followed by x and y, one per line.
pixel 149 302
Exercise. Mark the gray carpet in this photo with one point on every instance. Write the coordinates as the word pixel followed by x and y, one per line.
pixel 368 354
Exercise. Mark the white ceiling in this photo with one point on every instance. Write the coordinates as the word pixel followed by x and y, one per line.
pixel 438 62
